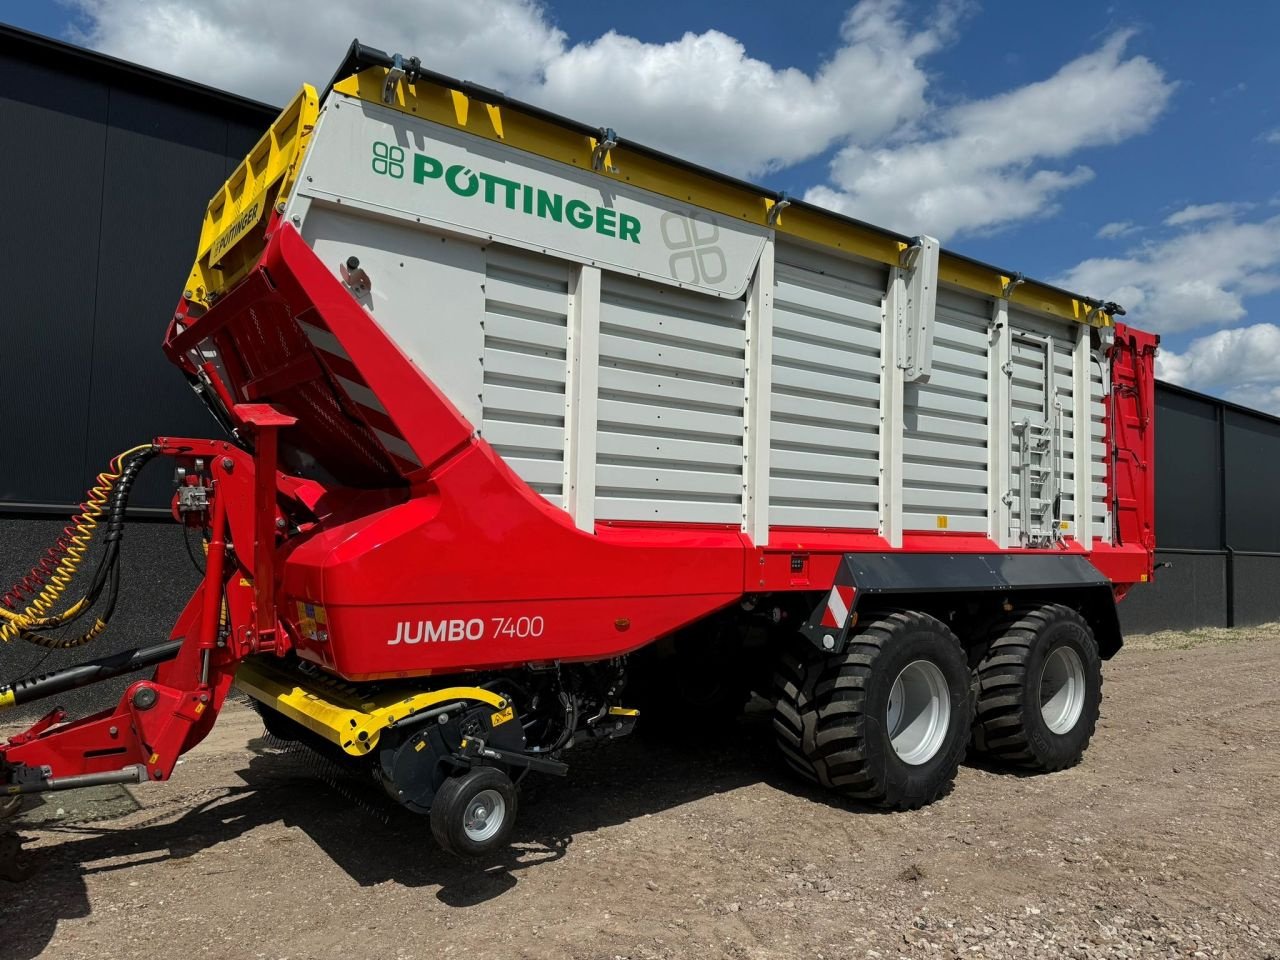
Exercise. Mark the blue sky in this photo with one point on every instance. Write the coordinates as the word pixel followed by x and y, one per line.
pixel 1129 150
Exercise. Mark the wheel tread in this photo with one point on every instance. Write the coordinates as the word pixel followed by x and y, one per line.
pixel 821 702
pixel 999 728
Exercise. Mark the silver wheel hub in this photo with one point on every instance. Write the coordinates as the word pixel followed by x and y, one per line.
pixel 1062 689
pixel 919 712
pixel 484 816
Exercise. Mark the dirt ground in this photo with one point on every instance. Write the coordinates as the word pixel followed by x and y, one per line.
pixel 1163 843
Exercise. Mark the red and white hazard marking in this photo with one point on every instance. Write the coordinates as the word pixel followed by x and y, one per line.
pixel 839 603
pixel 357 390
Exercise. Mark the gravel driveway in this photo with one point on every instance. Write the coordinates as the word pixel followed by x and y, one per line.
pixel 1163 843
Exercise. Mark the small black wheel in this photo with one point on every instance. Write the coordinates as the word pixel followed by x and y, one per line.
pixel 474 813
pixel 9 806
pixel 1039 689
pixel 885 722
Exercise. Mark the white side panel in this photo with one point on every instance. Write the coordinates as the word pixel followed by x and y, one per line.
pixel 1064 345
pixel 825 418
pixel 1099 389
pixel 1031 405
pixel 525 323
pixel 1081 431
pixel 759 406
pixel 371 157
pixel 999 439
pixel 944 446
pixel 630 381
pixel 892 388
pixel 582 396
pixel 1054 397
pixel 428 293
pixel 671 401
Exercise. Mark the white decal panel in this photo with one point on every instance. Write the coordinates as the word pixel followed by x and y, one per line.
pixel 370 156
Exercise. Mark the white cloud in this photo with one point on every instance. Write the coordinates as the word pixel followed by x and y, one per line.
pixel 705 98
pixel 983 164
pixel 1271 136
pixel 702 97
pixel 903 161
pixel 268 49
pixel 1205 211
pixel 1198 276
pixel 1242 365
pixel 1116 229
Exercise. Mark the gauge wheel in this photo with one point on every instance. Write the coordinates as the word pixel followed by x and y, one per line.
pixel 474 812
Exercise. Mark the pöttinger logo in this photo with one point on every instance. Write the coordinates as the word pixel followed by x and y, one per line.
pixel 388 160
pixel 694 241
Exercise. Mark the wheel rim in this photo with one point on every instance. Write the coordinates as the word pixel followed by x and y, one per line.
pixel 1062 689
pixel 919 712
pixel 485 814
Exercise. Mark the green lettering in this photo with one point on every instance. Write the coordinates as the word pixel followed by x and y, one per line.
pixel 461 180
pixel 549 205
pixel 605 221
pixel 628 228
pixel 426 168
pixel 528 195
pixel 509 188
pixel 578 213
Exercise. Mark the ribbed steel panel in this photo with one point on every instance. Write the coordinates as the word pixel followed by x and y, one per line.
pixel 944 445
pixel 525 344
pixel 824 430
pixel 671 390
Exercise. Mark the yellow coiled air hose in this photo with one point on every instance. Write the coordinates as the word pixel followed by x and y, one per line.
pixel 49 578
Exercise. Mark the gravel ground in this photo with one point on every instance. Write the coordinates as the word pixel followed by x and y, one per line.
pixel 1163 843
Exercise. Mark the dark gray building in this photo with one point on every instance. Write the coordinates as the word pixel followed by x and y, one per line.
pixel 108 169
pixel 1217 524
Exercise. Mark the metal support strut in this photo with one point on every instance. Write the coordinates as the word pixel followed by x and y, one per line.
pixel 231 616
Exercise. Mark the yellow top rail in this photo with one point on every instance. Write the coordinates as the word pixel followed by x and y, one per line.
pixel 231 237
pixel 506 123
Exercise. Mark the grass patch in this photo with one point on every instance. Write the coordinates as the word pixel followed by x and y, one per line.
pixel 1202 637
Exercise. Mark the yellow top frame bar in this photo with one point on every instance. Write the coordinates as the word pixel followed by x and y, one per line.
pixel 231 235
pixel 507 123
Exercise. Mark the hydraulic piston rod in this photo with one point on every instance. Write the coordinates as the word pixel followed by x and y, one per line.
pixel 50 684
pixel 134 774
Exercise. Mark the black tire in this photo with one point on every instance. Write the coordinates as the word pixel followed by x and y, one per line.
pixel 449 811
pixel 1010 726
pixel 831 712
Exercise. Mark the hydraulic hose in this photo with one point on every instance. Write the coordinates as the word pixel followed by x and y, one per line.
pixel 48 580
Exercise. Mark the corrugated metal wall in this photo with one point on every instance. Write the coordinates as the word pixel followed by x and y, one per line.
pixel 1217 517
pixel 107 171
